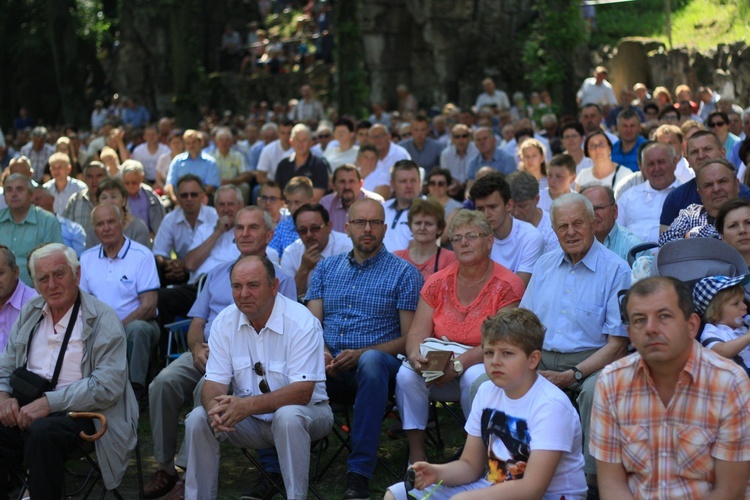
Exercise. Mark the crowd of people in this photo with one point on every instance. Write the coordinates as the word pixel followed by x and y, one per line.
pixel 326 259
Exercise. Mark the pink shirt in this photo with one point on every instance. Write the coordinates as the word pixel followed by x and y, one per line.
pixel 12 308
pixel 45 347
pixel 459 323
pixel 427 268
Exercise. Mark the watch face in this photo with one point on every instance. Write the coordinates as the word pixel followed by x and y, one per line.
pixel 578 375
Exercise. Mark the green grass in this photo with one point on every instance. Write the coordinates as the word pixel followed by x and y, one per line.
pixel 700 24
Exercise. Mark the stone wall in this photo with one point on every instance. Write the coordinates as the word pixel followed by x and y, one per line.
pixel 725 69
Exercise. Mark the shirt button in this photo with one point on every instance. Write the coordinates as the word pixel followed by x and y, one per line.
pixel 563 311
pixel 663 453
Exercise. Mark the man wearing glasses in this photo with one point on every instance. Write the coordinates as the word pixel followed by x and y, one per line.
pixel 457 156
pixel 270 349
pixel 718 123
pixel 317 241
pixel 365 300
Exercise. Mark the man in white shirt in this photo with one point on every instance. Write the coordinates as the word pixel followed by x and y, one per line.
pixel 274 152
pixel 671 134
pixel 596 90
pixel 346 150
pixel 640 207
pixel 496 99
pixel 62 186
pixel 390 153
pixel 517 244
pixel 122 273
pixel 148 152
pixel 405 186
pixel 316 242
pixel 457 156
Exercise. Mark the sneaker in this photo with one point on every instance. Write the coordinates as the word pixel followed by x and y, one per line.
pixel 160 484
pixel 357 487
pixel 264 488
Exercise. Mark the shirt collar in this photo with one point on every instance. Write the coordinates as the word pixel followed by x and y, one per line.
pixel 29 219
pixel 121 253
pixel 275 321
pixel 64 320
pixel 589 260
pixel 16 300
pixel 368 262
pixel 667 189
pixel 690 370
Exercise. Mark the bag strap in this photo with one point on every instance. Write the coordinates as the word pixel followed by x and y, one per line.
pixel 437 258
pixel 63 347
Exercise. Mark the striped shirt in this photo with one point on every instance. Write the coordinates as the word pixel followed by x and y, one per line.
pixel 669 452
pixel 693 219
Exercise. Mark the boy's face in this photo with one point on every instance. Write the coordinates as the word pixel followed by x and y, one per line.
pixel 509 368
pixel 733 310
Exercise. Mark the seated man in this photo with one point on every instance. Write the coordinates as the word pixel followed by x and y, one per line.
pixel 406 186
pixel 298 192
pixel 303 163
pixel 193 161
pixel 73 234
pixel 364 328
pixel 90 379
pixel 671 420
pixel 347 188
pixel 142 201
pixel 574 293
pixel 122 273
pixel 517 244
pixel 717 184
pixel 316 242
pixel 270 349
pixel 175 384
pixel 524 191
pixel 607 231
pixel 62 185
pixel 79 206
pixel 14 293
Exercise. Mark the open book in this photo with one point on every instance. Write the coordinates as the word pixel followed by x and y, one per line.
pixel 437 363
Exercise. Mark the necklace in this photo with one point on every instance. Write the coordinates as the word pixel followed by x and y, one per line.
pixel 472 285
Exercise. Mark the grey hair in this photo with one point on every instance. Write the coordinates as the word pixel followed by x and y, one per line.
pixel 223 132
pixel 269 126
pixel 267 220
pixel 523 186
pixel 51 249
pixel 131 167
pixel 567 200
pixel 15 177
pixel 231 187
pixel 300 127
pixel 118 210
pixel 608 190
pixel 466 217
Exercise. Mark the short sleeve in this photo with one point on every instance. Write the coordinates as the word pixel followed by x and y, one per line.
pixel 212 175
pixel 148 276
pixel 315 286
pixel 409 287
pixel 604 444
pixel 219 367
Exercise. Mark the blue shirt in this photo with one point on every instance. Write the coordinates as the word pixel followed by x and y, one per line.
pixel 501 161
pixel 216 294
pixel 620 241
pixel 254 155
pixel 428 157
pixel 204 167
pixel 684 196
pixel 629 159
pixel 362 301
pixel 284 235
pixel 578 303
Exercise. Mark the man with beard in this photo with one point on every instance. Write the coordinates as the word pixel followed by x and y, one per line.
pixel 347 187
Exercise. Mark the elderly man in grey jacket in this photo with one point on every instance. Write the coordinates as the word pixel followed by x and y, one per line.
pixel 91 377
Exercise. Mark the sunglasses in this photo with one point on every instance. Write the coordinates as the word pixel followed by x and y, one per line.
pixel 460 136
pixel 716 124
pixel 259 371
pixel 438 183
pixel 324 136
pixel 312 229
pixel 185 196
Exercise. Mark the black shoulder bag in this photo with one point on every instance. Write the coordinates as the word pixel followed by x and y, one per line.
pixel 28 386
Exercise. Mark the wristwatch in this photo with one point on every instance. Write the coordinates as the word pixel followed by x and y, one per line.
pixel 458 367
pixel 577 374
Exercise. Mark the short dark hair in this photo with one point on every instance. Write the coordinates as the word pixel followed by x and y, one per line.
pixel 627 114
pixel 270 270
pixel 575 125
pixel 312 207
pixel 726 208
pixel 346 167
pixel 592 105
pixel 668 109
pixel 403 165
pixel 564 160
pixel 721 114
pixel 344 122
pixel 488 184
pixel 652 285
pixel 368 147
pixel 594 134
pixel 190 178
pixel 363 124
pixel 651 105
pixel 440 171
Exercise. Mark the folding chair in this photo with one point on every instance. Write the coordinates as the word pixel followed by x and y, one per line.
pixel 433 434
pixel 177 339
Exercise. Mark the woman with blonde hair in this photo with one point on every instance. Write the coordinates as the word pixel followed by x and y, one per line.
pixel 533 154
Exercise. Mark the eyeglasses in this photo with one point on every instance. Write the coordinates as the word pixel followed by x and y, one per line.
pixel 324 136
pixel 716 124
pixel 600 145
pixel 438 183
pixel 460 136
pixel 457 238
pixel 273 199
pixel 304 230
pixel 361 223
pixel 599 208
pixel 185 196
pixel 571 136
pixel 259 371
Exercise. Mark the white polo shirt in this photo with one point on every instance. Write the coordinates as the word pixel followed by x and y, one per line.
pixel 521 249
pixel 639 209
pixel 176 234
pixel 270 156
pixel 118 282
pixel 289 347
pixel 395 153
pixel 291 259
pixel 398 235
pixel 224 250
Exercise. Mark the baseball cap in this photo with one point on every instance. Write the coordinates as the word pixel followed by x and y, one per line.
pixel 707 288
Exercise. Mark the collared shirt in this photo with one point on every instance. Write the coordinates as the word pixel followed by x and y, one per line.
pixel 230 166
pixel 204 166
pixel 395 153
pixel 175 232
pixel 693 219
pixel 12 308
pixel 45 348
pixel 118 282
pixel 78 209
pixel 224 250
pixel 629 159
pixel 398 235
pixel 520 250
pixel 306 111
pixel 578 303
pixel 38 159
pixel 683 172
pixel 335 157
pixel 457 164
pixel 314 168
pixel 292 259
pixel 670 452
pixel 216 294
pixel 551 242
pixel 72 186
pixel 639 209
pixel 685 195
pixel 73 235
pixel 253 154
pixel 338 214
pixel 39 226
pixel 601 94
pixel 362 301
pixel 143 155
pixel 270 156
pixel 138 206
pixel 501 161
pixel 498 98
pixel 289 348
pixel 620 241
pixel 428 157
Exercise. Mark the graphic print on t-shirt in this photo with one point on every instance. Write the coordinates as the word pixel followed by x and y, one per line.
pixel 507 440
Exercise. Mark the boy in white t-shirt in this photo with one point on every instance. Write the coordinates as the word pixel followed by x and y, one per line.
pixel 522 429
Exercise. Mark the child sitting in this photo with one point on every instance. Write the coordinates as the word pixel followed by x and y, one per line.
pixel 521 426
pixel 721 302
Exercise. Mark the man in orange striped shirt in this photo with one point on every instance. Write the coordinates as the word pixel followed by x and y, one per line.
pixel 672 420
